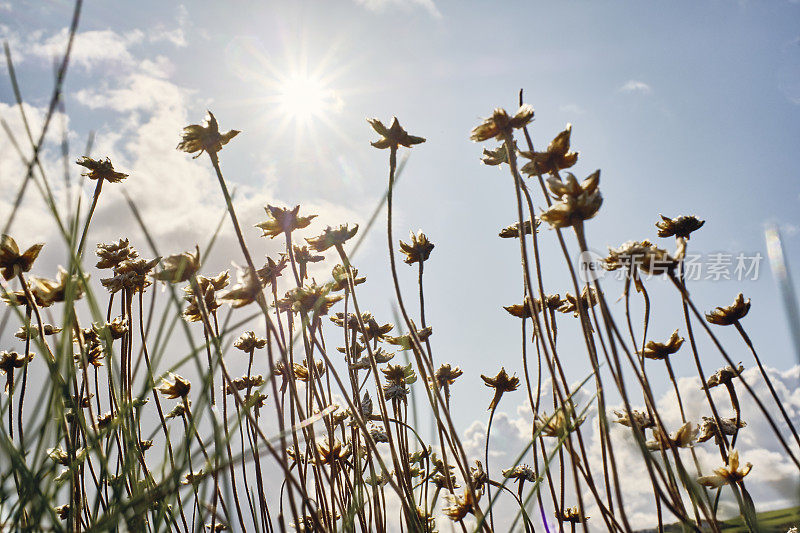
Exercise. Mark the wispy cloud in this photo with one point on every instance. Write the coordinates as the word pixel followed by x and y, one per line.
pixel 377 5
pixel 636 86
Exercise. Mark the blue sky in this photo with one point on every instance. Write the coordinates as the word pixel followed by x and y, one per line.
pixel 687 107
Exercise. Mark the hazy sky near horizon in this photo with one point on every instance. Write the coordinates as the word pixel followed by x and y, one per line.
pixel 686 107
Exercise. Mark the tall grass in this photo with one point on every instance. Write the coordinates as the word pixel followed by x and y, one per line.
pixel 111 436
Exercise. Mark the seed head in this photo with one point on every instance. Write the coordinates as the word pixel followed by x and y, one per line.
pixel 500 124
pixel 12 262
pixel 556 157
pixel 281 221
pixel 730 473
pixel 501 383
pixel 725 316
pixel 177 388
pixel 98 169
pixel 332 237
pixel 681 226
pixel 661 350
pixel 576 202
pixel 418 250
pixel 393 136
pixel 180 267
pixel 206 138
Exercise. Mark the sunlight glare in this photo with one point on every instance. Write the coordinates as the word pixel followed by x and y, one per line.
pixel 303 97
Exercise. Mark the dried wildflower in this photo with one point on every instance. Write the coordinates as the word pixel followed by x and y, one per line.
pixel 131 275
pixel 512 231
pixel 303 256
pixel 330 451
pixel 193 478
pixel 571 515
pixel 447 375
pixel 393 136
pixel 53 291
pixel 640 418
pixel 32 331
pixel 247 291
pixel 63 511
pixel 339 274
pixel 478 474
pixel 573 305
pixel 555 158
pixel 685 437
pixel 98 169
pixel 117 328
pixel 14 263
pixel 178 411
pixel 643 255
pixel 178 388
pixel 500 124
pixel 724 376
pixel 576 202
pixel 559 425
pixel 730 473
pixel 244 382
pixel 418 250
pixel 681 227
pixel 725 316
pixel 216 527
pixel 552 302
pixel 661 350
pixel 373 331
pixel 377 480
pixel 10 361
pixel 14 298
pixel 248 342
pixel 207 138
pixel 206 289
pixel 302 372
pixel 521 473
pixel 105 422
pixel 399 374
pixel 406 341
pixel 282 221
pixel 332 237
pixel 501 384
pixel 180 267
pixel 380 356
pixel 271 270
pixel 145 444
pixel 312 298
pixel 498 156
pixel 460 506
pixel 378 434
pixel 114 253
pixel 727 426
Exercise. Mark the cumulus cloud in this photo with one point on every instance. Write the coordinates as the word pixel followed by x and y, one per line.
pixel 377 5
pixel 773 482
pixel 636 86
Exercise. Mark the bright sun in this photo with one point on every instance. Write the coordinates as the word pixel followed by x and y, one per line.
pixel 303 97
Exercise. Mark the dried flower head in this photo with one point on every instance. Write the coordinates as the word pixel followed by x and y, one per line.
pixel 460 506
pixel 501 383
pixel 114 253
pixel 131 274
pixel 282 221
pixel 271 270
pixel 179 387
pixel 399 374
pixel 587 300
pixel 248 342
pixel 498 156
pixel 180 267
pixel 730 473
pixel 681 226
pixel 32 331
pixel 406 342
pixel 552 302
pixel 312 299
pixel 52 291
pixel 98 169
pixel 332 237
pixel 512 231
pixel 206 138
pixel 661 350
pixel 244 383
pixel 521 473
pixel 561 423
pixel 640 418
pixel 446 375
pixel 331 451
pixel 725 316
pixel 643 255
pixel 500 124
pixel 339 274
pixel 684 437
pixel 556 157
pixel 571 515
pixel 10 361
pixel 727 426
pixel 393 136
pixel 373 331
pixel 724 376
pixel 303 256
pixel 576 201
pixel 247 291
pixel 14 263
pixel 418 250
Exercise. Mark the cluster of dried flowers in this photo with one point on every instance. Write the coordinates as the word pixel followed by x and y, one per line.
pixel 345 440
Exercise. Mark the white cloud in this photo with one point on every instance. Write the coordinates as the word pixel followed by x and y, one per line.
pixel 377 5
pixel 572 109
pixel 636 86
